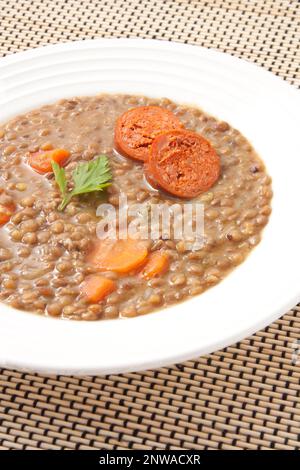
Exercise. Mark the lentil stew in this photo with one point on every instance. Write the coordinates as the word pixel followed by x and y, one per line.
pixel 51 261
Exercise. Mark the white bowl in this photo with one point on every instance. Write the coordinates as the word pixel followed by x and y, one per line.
pixel 263 107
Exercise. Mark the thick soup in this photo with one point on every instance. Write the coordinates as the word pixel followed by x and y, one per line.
pixel 61 162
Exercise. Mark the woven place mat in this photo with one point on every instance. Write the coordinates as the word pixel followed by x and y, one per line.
pixel 243 397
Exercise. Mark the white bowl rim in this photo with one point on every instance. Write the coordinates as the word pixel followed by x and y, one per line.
pixel 114 346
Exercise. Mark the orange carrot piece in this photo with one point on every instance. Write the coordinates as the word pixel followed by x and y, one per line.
pixel 157 264
pixel 121 256
pixel 6 211
pixel 95 288
pixel 4 218
pixel 41 160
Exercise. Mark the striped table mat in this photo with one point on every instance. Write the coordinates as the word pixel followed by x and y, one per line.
pixel 243 397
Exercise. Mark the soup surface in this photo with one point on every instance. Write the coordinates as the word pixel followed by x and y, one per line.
pixel 46 254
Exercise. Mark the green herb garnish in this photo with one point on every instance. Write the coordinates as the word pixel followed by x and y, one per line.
pixel 87 177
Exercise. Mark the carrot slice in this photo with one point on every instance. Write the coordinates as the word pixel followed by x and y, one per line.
pixel 6 210
pixel 157 264
pixel 4 217
pixel 95 288
pixel 121 256
pixel 183 163
pixel 136 129
pixel 41 160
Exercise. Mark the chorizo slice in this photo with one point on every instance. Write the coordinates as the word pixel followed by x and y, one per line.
pixel 183 163
pixel 152 184
pixel 136 129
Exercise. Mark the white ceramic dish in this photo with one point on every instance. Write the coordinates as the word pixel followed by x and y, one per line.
pixel 261 106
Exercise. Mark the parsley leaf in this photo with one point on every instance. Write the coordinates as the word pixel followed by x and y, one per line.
pixel 87 177
pixel 91 176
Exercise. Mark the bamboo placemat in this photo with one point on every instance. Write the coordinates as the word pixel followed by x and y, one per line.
pixel 244 397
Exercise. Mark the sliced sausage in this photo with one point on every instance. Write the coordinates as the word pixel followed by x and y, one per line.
pixel 136 129
pixel 183 163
